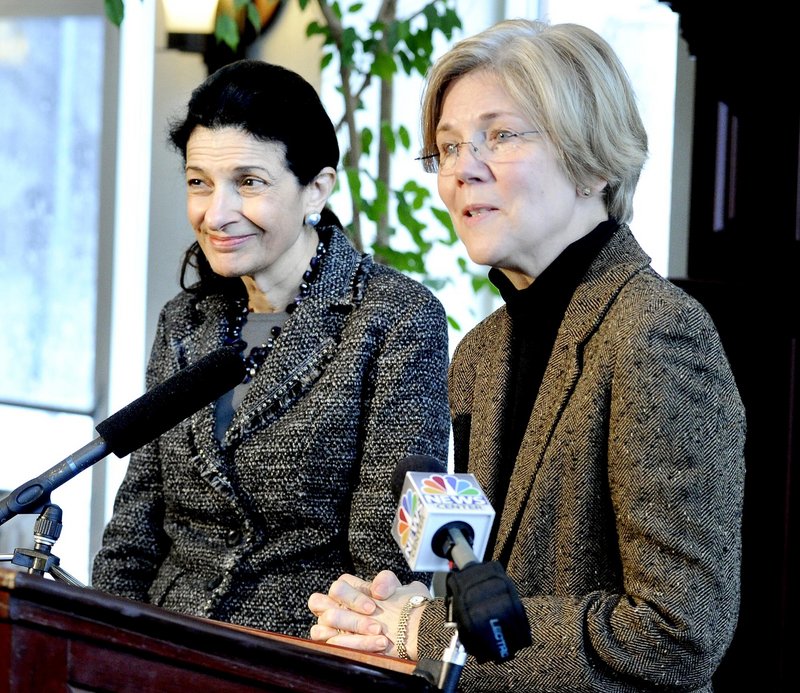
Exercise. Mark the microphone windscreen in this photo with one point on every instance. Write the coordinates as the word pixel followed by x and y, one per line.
pixel 414 463
pixel 167 404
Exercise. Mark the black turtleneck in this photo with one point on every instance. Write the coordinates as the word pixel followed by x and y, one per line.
pixel 536 313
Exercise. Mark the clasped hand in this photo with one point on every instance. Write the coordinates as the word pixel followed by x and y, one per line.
pixel 363 615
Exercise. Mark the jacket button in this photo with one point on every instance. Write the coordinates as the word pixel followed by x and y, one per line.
pixel 214 582
pixel 233 538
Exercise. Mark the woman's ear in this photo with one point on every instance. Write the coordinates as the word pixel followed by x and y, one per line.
pixel 595 187
pixel 321 188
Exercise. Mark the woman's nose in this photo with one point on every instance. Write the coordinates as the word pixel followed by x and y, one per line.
pixel 223 206
pixel 468 164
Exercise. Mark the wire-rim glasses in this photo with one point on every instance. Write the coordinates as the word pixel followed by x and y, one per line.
pixel 489 146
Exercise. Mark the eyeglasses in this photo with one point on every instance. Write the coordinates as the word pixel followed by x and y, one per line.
pixel 488 146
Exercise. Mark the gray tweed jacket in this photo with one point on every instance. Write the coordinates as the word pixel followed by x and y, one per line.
pixel 622 522
pixel 299 491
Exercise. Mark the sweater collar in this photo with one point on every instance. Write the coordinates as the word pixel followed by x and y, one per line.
pixel 556 284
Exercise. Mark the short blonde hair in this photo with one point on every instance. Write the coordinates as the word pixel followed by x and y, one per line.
pixel 569 81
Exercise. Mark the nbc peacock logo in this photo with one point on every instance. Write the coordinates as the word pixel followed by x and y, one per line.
pixel 449 485
pixel 439 489
pixel 408 516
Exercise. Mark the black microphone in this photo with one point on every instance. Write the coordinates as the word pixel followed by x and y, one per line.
pixel 414 463
pixel 440 516
pixel 157 411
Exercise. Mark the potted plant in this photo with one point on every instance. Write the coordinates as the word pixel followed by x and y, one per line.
pixel 397 222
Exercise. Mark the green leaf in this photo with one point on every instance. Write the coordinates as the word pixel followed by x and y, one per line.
pixel 453 323
pixel 354 184
pixel 115 11
pixel 443 217
pixel 383 66
pixel 348 48
pixel 226 31
pixel 481 284
pixel 253 16
pixel 402 260
pixel 405 138
pixel 381 197
pixel 325 61
pixel 366 140
pixel 314 28
pixel 388 137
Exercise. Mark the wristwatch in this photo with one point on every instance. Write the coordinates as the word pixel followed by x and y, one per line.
pixel 402 623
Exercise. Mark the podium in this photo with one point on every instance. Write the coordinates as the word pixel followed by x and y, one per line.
pixel 57 637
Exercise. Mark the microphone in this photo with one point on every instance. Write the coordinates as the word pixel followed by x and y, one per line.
pixel 440 517
pixel 157 411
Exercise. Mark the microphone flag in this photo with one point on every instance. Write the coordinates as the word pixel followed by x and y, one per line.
pixel 432 503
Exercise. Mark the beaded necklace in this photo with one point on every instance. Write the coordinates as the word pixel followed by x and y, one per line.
pixel 238 312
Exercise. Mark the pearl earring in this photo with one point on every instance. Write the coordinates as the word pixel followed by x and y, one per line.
pixel 586 191
pixel 312 219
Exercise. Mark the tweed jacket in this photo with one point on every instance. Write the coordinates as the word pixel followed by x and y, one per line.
pixel 299 490
pixel 622 523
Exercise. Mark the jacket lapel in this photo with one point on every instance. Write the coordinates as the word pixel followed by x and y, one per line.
pixel 617 262
pixel 489 407
pixel 207 335
pixel 307 342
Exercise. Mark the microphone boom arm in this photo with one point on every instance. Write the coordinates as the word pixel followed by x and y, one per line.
pixel 141 421
pixel 34 495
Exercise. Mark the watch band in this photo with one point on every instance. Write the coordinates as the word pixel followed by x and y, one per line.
pixel 402 623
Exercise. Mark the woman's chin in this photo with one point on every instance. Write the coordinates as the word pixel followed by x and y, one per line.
pixel 481 255
pixel 226 264
pixel 228 272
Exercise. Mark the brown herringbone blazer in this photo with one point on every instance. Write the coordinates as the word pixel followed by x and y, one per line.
pixel 622 521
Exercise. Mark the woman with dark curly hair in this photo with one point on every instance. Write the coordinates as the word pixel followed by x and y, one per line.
pixel 284 482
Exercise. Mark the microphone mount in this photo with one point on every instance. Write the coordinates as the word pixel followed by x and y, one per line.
pixel 40 559
pixel 454 542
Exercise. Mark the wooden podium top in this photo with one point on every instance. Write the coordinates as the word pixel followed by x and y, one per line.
pixel 55 636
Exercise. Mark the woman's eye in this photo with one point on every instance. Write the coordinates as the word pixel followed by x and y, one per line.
pixel 448 149
pixel 503 135
pixel 250 182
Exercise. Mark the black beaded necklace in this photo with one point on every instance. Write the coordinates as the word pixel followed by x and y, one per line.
pixel 238 312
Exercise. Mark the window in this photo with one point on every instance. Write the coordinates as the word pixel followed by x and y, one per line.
pixel 51 88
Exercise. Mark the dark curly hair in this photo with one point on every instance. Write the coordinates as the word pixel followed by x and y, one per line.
pixel 273 104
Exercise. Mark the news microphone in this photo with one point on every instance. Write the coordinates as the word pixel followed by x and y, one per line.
pixel 157 411
pixel 446 517
pixel 440 517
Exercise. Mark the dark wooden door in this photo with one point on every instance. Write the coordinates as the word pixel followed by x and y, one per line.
pixel 744 244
